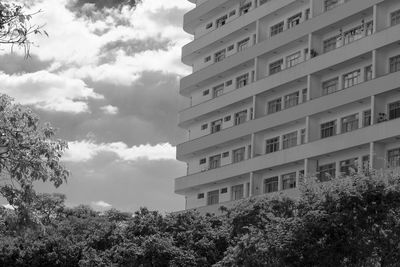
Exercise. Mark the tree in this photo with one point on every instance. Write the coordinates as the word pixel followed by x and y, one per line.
pixel 28 153
pixel 16 26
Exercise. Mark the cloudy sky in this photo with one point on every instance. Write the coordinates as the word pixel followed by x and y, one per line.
pixel 107 76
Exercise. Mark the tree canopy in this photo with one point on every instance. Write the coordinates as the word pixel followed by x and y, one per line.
pixel 353 221
pixel 16 26
pixel 28 153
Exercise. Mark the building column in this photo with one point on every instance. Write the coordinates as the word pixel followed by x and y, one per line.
pixel 310 167
pixel 377 156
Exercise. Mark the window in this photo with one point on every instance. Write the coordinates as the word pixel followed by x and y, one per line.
pixel 289 140
pixel 275 105
pixel 394 110
pixel 328 129
pixel 304 94
pixel 272 145
pixel 277 28
pixel 330 44
pixel 209 25
pixel 353 34
pixel 215 161
pixel 394 64
pixel 289 180
pixel 240 117
pixel 291 100
pixel 225 154
pixel 350 123
pixel 302 136
pixel 224 190
pixel 206 92
pixel 368 73
pixel 366 118
pixel 244 8
pixel 237 192
pixel 202 161
pixel 200 196
pixel 221 21
pixel 213 197
pixel 351 79
pixel 348 166
pixel 275 67
pixel 326 172
pixel 218 90
pixel 230 48
pixel 204 126
pixel 238 155
pixel 232 13
pixel 294 20
pixel 216 126
pixel 242 81
pixel 219 56
pixel 330 4
pixel 206 59
pixel 227 118
pixel 271 185
pixel 330 86
pixel 293 59
pixel 365 163
pixel 394 157
pixel 395 18
pixel 228 83
pixel 242 45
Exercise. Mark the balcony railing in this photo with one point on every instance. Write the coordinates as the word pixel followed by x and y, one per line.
pixel 271 88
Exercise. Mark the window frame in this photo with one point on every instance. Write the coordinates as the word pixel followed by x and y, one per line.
pixel 328 129
pixel 276 66
pixel 393 156
pixel 289 180
pixel 238 154
pixel 272 145
pixel 277 28
pixel 351 78
pixel 350 123
pixel 326 172
pixel 329 84
pixel 274 105
pixel 289 140
pixel 213 197
pixel 394 113
pixel 237 192
pixel 271 185
pixel 214 162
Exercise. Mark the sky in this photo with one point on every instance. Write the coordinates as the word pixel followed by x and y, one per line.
pixel 107 77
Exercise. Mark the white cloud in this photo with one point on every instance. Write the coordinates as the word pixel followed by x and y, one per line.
pixel 48 91
pixel 101 204
pixel 86 150
pixel 109 109
pixel 75 48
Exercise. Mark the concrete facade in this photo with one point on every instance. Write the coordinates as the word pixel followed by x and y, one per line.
pixel 281 89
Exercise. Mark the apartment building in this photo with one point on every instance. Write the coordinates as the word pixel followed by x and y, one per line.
pixel 281 89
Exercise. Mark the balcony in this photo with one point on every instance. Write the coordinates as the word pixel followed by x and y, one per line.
pixel 348 9
pixel 373 133
pixel 322 61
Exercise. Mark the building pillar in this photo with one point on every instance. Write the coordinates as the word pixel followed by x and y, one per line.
pixel 310 167
pixel 377 156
